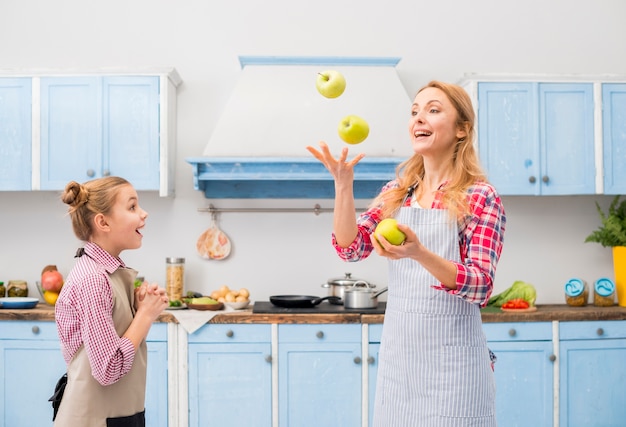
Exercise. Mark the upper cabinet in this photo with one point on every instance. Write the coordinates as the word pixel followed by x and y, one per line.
pixel 15 134
pixel 537 138
pixel 94 125
pixel 614 135
pixel 551 136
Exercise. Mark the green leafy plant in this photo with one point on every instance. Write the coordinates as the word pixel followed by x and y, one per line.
pixel 612 232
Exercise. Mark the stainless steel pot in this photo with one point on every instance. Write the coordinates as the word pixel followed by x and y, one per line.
pixel 361 295
pixel 337 286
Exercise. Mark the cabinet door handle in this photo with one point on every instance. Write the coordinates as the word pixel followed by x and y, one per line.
pixel 91 173
pixel 230 333
pixel 512 332
pixel 545 179
pixel 106 172
pixel 532 179
pixel 35 329
pixel 552 358
pixel 371 360
pixel 268 358
pixel 600 331
pixel 320 334
pixel 357 360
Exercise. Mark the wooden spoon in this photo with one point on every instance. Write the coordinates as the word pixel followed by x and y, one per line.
pixel 213 243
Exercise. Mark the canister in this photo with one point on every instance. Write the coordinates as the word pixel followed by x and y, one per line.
pixel 576 292
pixel 604 292
pixel 174 278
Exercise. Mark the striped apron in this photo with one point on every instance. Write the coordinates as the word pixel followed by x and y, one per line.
pixel 434 367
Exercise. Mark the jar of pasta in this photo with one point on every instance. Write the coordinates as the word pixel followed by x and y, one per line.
pixel 174 278
pixel 576 292
pixel 604 292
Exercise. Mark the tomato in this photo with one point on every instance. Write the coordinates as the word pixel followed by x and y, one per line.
pixel 517 303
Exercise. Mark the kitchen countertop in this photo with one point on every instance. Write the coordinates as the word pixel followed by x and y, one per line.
pixel 544 313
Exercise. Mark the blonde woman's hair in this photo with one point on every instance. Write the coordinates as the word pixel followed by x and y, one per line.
pixel 89 199
pixel 465 162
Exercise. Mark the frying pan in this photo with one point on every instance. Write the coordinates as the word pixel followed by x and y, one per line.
pixel 300 301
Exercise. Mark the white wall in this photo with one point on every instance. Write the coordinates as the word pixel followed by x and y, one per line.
pixel 291 253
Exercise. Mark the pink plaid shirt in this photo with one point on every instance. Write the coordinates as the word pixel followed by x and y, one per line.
pixel 84 316
pixel 480 240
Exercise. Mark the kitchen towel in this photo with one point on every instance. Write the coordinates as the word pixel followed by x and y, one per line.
pixel 192 320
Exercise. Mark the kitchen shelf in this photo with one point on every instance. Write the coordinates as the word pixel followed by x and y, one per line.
pixel 284 177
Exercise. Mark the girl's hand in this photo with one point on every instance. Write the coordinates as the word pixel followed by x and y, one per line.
pixel 408 249
pixel 152 299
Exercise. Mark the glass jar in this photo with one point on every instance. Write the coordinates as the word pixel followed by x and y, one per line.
pixel 174 278
pixel 17 288
pixel 3 290
pixel 576 292
pixel 604 292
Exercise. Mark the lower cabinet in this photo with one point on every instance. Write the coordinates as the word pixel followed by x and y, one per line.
pixel 523 372
pixel 230 376
pixel 31 364
pixel 319 375
pixel 592 373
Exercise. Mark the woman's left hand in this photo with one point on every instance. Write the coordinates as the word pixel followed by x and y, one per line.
pixel 408 249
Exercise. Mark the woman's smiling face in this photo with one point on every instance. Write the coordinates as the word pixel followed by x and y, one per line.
pixel 433 124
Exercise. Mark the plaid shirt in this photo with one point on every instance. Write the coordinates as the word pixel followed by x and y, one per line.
pixel 480 240
pixel 84 316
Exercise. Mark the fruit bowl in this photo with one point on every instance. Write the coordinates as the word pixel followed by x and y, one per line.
pixel 239 305
pixel 217 306
pixel 43 296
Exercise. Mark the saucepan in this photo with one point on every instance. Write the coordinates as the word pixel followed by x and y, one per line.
pixel 361 295
pixel 300 301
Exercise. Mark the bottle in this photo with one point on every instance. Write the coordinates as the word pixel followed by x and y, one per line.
pixel 174 278
pixel 3 290
pixel 604 292
pixel 576 292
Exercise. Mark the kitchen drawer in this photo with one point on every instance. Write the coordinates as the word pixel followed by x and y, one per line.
pixel 231 333
pixel 375 332
pixel 592 330
pixel 518 331
pixel 319 333
pixel 28 330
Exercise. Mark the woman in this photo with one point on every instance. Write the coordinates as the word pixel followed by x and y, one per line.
pixel 434 364
pixel 102 321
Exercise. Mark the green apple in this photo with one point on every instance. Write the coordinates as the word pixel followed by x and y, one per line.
pixel 388 228
pixel 330 84
pixel 353 129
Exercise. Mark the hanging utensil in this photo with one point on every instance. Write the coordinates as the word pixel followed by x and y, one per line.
pixel 213 243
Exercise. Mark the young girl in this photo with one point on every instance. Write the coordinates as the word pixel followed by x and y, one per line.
pixel 102 321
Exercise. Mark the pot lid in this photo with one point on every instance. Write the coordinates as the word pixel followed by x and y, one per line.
pixel 347 280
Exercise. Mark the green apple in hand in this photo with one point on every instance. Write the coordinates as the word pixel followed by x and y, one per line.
pixel 388 228
pixel 353 129
pixel 330 84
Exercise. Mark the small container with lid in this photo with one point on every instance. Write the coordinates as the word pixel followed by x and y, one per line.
pixel 576 292
pixel 174 278
pixel 604 292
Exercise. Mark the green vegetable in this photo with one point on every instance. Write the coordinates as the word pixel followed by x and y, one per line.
pixel 194 294
pixel 519 289
pixel 176 303
pixel 612 232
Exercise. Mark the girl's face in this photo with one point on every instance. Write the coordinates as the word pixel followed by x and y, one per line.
pixel 432 126
pixel 125 221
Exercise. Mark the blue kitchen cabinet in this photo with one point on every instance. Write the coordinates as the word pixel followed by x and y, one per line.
pixel 230 376
pixel 98 126
pixel 156 376
pixel 15 134
pixel 30 366
pixel 537 138
pixel 614 137
pixel 319 375
pixel 375 333
pixel 524 373
pixel 592 373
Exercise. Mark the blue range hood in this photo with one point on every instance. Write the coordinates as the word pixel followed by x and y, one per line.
pixel 282 178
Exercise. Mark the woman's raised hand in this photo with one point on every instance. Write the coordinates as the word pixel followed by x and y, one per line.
pixel 339 168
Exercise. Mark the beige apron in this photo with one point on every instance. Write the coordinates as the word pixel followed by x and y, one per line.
pixel 86 403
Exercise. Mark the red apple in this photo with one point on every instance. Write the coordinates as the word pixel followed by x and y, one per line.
pixel 52 280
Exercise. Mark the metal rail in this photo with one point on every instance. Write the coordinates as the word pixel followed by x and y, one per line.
pixel 317 209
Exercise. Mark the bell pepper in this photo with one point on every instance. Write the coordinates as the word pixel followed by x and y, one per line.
pixel 516 303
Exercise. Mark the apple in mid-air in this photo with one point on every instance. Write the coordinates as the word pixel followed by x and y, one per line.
pixel 388 228
pixel 330 84
pixel 353 129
